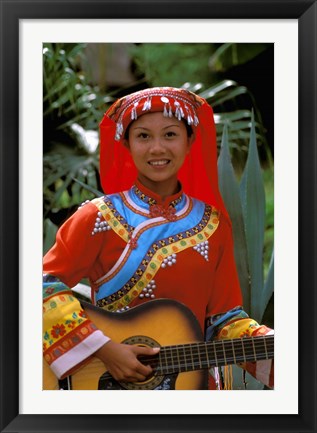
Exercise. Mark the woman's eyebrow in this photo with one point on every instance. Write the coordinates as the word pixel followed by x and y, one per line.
pixel 165 127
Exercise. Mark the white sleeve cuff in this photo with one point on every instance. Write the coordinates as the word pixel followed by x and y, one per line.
pixel 79 353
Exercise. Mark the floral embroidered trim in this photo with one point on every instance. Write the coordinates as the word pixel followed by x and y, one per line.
pixel 113 217
pixel 63 343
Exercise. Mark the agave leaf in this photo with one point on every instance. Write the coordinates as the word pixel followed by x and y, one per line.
pixel 243 380
pixel 229 189
pixel 268 286
pixel 253 203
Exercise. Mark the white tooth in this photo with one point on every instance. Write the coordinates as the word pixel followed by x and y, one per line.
pixel 159 162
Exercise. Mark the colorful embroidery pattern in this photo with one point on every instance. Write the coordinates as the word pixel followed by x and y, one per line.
pixel 133 243
pixel 62 342
pixel 238 328
pixel 113 217
pixel 151 201
pixel 66 323
pixel 156 254
pixel 52 288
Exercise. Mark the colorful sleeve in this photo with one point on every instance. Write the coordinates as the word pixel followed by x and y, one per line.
pixel 69 337
pixel 237 324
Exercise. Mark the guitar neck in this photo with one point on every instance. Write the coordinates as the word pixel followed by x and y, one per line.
pixel 198 356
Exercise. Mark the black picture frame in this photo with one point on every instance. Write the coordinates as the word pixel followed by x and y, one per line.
pixel 305 11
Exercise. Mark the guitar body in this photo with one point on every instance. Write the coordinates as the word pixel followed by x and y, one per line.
pixel 157 323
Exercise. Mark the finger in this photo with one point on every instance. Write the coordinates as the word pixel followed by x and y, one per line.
pixel 144 370
pixel 142 350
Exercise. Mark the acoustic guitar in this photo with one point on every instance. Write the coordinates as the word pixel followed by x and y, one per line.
pixel 183 360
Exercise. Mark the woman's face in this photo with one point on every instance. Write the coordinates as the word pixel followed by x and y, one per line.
pixel 158 146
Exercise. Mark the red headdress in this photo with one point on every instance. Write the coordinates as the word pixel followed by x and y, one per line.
pixel 199 176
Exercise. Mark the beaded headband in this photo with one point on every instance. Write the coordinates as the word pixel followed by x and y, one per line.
pixel 180 103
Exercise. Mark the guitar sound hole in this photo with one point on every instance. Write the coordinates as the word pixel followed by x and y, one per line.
pixel 153 380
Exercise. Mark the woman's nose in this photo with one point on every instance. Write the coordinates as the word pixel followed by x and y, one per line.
pixel 157 145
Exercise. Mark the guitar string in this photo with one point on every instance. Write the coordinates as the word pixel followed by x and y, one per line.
pixel 195 364
pixel 228 359
pixel 246 345
pixel 178 368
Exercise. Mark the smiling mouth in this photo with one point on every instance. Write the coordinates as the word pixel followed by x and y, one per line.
pixel 159 163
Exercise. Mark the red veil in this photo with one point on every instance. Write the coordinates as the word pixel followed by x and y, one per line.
pixel 199 175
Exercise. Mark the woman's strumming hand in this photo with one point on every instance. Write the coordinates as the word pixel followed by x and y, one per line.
pixel 122 361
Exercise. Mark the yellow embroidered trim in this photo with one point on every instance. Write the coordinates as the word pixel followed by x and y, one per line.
pixel 158 258
pixel 111 219
pixel 228 377
pixel 102 281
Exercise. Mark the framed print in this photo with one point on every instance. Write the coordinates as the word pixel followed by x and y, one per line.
pixel 288 24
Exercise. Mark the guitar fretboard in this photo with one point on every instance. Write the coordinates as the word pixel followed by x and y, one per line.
pixel 198 356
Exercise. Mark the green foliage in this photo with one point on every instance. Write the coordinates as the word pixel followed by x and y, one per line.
pixel 246 205
pixel 72 111
pixel 166 64
pixel 67 95
pixel 228 55
pixel 229 187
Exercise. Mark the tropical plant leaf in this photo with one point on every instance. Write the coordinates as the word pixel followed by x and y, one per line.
pixel 243 380
pixel 50 231
pixel 95 191
pixel 268 286
pixel 212 91
pixel 232 54
pixel 229 189
pixel 253 204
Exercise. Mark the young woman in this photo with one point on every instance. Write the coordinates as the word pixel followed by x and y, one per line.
pixel 162 231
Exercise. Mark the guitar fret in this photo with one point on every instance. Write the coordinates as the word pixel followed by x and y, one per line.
pixel 166 359
pixel 215 352
pixel 198 352
pixel 160 361
pixel 207 355
pixel 179 362
pixel 233 352
pixel 185 358
pixel 244 358
pixel 224 351
pixel 191 354
pixel 253 348
pixel 265 348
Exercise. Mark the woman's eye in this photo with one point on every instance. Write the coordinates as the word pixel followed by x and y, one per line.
pixel 143 135
pixel 170 134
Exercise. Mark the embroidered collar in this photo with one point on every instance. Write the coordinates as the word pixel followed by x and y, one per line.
pixel 151 198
